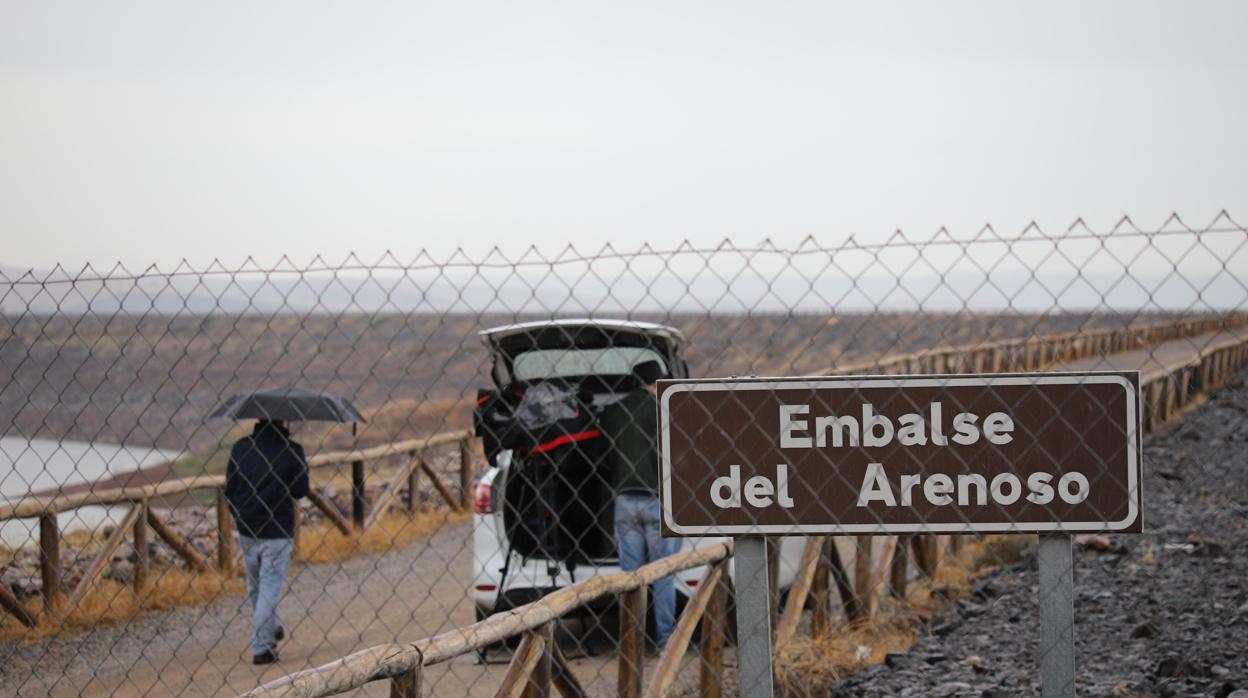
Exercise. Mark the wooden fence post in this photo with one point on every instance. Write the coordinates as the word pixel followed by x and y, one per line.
pixel 899 568
pixel 384 500
pixel 677 645
pixel 711 644
pixel 181 545
pixel 844 585
pixel 10 603
pixel 225 534
pixel 297 550
pixel 922 554
pixel 50 561
pixel 936 543
pixel 358 503
pixel 451 500
pixel 821 600
pixel 466 474
pixel 406 685
pixel 413 486
pixel 561 675
pixel 539 683
pixel 632 642
pixel 332 514
pixel 141 562
pixel 103 556
pixel 862 573
pixel 519 678
pixel 799 592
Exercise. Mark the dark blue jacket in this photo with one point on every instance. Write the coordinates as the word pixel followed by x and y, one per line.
pixel 266 474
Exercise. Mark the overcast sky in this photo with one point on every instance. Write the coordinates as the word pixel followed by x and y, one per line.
pixel 152 131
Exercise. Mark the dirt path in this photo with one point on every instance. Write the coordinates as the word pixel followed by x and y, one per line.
pixel 330 610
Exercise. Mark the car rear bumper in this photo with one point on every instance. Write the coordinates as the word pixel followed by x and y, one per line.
pixel 532 579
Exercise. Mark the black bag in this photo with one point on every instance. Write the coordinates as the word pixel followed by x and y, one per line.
pixel 553 508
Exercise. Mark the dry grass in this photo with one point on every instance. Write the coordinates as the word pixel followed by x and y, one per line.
pixel 322 542
pixel 810 666
pixel 111 602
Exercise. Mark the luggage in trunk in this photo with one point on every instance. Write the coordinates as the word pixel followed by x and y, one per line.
pixel 557 499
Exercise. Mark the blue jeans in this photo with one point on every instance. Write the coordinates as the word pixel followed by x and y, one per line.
pixel 266 560
pixel 637 529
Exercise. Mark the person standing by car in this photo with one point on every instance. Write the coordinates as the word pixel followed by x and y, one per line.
pixel 267 472
pixel 631 424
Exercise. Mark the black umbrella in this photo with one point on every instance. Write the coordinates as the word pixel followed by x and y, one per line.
pixel 289 404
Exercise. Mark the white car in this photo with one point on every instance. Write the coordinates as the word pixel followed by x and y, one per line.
pixel 542 513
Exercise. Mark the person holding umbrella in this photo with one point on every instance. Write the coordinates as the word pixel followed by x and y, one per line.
pixel 266 473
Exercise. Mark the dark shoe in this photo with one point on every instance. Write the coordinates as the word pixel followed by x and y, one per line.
pixel 280 634
pixel 269 657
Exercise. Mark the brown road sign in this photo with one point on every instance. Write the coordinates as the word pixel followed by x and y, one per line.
pixel 901 454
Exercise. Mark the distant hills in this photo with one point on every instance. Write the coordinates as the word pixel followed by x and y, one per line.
pixel 152 380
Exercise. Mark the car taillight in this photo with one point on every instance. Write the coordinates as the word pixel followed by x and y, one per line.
pixel 481 503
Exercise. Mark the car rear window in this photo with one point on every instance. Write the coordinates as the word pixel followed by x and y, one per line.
pixel 558 363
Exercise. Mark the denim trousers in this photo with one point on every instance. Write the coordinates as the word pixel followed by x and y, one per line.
pixel 637 529
pixel 266 560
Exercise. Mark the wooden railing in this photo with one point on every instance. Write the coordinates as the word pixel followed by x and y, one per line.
pixel 537 661
pixel 413 463
pixel 1037 351
pixel 538 665
pixel 1166 389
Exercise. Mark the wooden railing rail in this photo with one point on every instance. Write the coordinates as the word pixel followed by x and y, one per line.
pixel 28 507
pixel 1165 390
pixel 1035 352
pixel 400 660
pixel 321 460
pixel 141 517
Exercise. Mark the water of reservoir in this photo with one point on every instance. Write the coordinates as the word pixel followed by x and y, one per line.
pixel 28 466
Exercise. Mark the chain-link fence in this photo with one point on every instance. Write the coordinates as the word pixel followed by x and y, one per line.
pixel 470 468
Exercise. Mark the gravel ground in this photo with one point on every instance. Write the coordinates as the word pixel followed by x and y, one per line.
pixel 1163 613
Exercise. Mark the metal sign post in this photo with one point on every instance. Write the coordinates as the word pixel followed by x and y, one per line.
pixel 1057 616
pixel 753 617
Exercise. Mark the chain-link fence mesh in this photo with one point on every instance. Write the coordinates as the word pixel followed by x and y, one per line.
pixel 503 468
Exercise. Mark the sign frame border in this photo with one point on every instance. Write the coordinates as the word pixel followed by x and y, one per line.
pixel 1134 469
